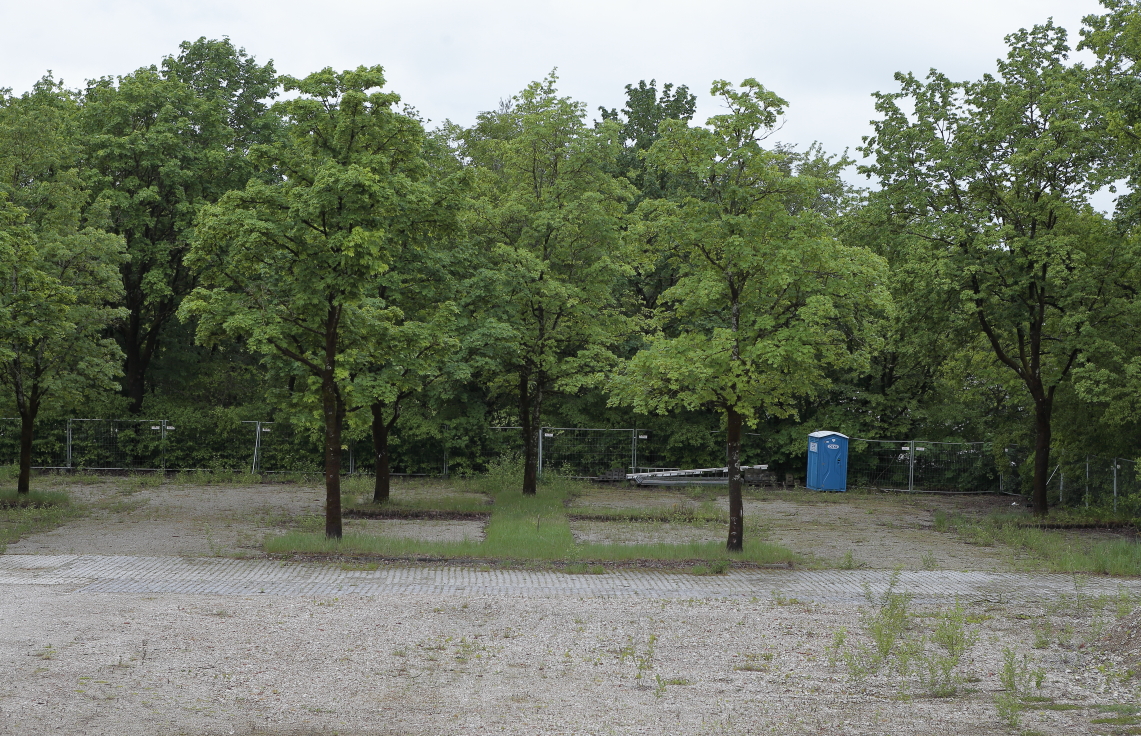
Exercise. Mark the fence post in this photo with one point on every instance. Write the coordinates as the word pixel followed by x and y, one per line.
pixel 1061 488
pixel 257 448
pixel 911 466
pixel 539 470
pixel 1087 481
pixel 69 444
pixel 1115 485
pixel 634 450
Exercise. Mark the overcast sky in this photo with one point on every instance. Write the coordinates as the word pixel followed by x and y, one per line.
pixel 453 59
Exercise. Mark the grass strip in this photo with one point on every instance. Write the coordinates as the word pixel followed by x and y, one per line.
pixel 525 528
pixel 1050 550
pixel 33 512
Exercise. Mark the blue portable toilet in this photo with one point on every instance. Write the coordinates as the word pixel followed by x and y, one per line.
pixel 827 462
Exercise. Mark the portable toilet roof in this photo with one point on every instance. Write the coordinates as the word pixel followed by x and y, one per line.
pixel 827 434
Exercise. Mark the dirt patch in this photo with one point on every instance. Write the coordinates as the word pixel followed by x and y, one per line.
pixel 424 530
pixel 431 514
pixel 1124 640
pixel 874 531
pixel 615 532
pixel 154 520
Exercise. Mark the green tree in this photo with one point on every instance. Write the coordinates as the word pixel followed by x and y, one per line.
pixel 547 217
pixel 59 271
pixel 293 265
pixel 159 145
pixel 420 347
pixel 995 176
pixel 767 299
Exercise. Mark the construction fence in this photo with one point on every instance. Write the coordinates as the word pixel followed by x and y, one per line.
pixel 210 443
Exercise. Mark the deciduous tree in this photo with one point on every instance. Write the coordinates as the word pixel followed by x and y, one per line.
pixel 995 176
pixel 767 299
pixel 293 265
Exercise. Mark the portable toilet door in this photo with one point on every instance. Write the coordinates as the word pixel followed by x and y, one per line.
pixel 827 462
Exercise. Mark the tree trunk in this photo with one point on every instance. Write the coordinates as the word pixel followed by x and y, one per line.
pixel 27 433
pixel 134 386
pixel 1043 409
pixel 383 488
pixel 528 417
pixel 736 506
pixel 334 414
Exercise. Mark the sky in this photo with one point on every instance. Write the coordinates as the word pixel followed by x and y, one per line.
pixel 452 60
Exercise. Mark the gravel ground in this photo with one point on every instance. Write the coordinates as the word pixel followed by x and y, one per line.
pixel 421 664
pixel 145 663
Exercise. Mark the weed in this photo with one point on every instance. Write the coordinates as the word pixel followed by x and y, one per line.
pixel 521 528
pixel 836 648
pixel 1015 678
pixel 886 618
pixel 781 599
pixel 716 567
pixel 755 663
pixel 937 668
pixel 1050 550
pixel 644 661
pixel 941 522
pixel 849 562
pixel 929 561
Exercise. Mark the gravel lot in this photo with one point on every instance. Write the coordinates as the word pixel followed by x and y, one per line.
pixel 84 662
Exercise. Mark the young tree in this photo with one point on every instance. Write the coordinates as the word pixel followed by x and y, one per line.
pixel 59 273
pixel 766 298
pixel 293 265
pixel 547 217
pixel 159 145
pixel 995 176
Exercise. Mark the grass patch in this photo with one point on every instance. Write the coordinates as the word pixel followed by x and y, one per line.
pixel 527 528
pixel 45 510
pixel 1050 550
pixel 34 499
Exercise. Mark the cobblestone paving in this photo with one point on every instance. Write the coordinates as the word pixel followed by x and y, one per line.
pixel 213 576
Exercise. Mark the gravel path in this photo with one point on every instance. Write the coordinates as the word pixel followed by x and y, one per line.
pixel 119 574
pixel 137 646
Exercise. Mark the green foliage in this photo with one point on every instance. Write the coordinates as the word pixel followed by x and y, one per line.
pixel 60 272
pixel 995 177
pixel 159 145
pixel 291 265
pixel 547 220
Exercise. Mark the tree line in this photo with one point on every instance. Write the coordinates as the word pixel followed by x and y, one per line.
pixel 207 235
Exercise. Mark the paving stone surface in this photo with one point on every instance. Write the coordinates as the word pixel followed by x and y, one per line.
pixel 214 576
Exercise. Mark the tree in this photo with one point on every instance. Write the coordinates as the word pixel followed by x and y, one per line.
pixel 408 358
pixel 547 217
pixel 59 272
pixel 292 265
pixel 1116 40
pixel 995 176
pixel 766 299
pixel 160 145
pixel 640 120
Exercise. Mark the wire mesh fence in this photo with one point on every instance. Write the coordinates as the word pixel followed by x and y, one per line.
pixel 1092 480
pixel 917 466
pixel 223 444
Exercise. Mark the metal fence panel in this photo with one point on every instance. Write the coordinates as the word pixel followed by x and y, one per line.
pixel 919 466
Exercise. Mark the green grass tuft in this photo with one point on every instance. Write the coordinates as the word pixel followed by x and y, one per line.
pixel 45 510
pixel 1051 550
